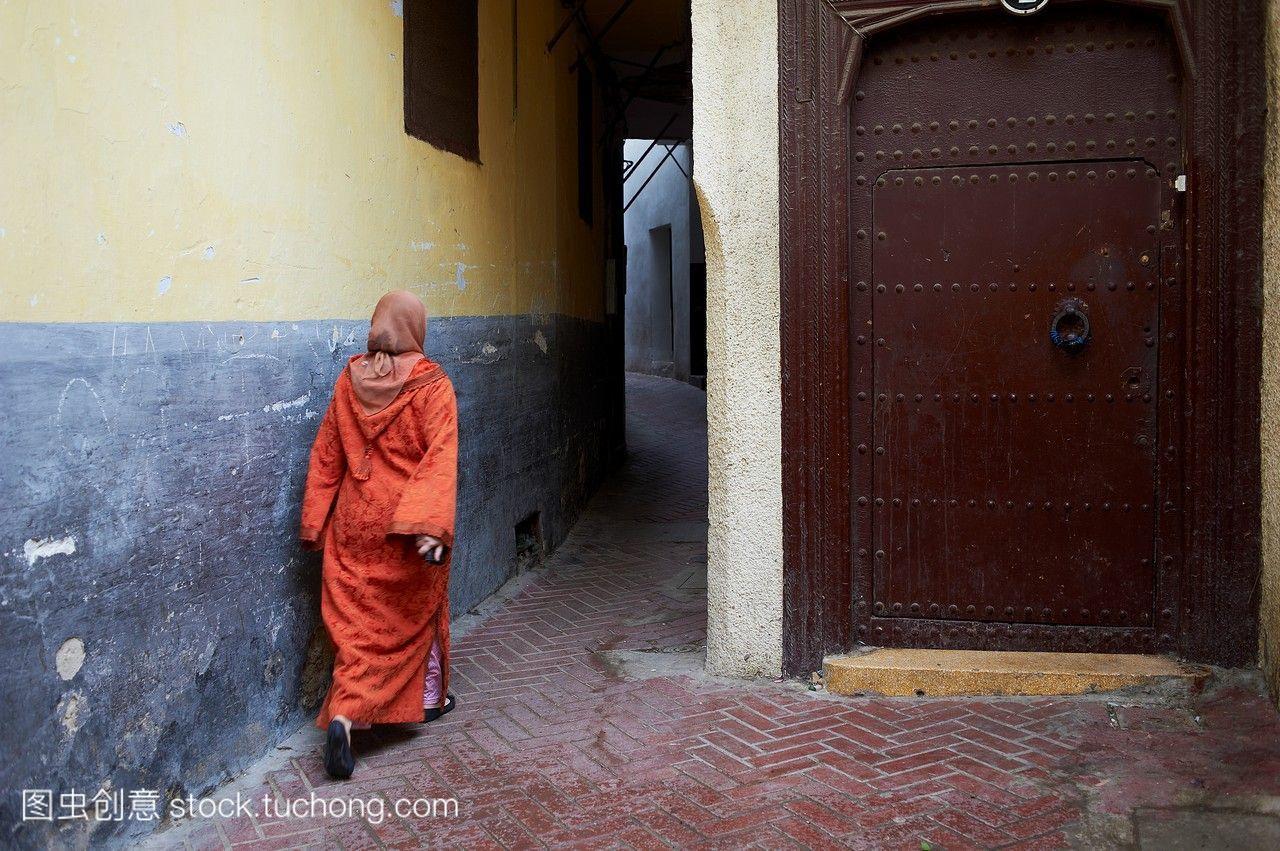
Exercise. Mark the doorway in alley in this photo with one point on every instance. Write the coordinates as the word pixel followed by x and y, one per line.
pixel 996 278
pixel 1011 321
pixel 666 278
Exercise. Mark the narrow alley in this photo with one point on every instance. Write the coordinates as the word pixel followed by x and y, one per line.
pixel 584 718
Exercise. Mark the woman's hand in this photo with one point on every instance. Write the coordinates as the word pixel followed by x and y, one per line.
pixel 430 548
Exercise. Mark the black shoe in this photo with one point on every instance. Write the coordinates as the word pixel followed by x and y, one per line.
pixel 433 713
pixel 338 760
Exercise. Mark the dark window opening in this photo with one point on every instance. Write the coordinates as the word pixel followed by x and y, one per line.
pixel 529 547
pixel 441 76
pixel 586 195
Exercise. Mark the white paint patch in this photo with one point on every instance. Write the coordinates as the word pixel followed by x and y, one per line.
pixel 71 58
pixel 397 8
pixel 102 239
pixel 2 233
pixel 276 407
pixel 540 341
pixel 208 252
pixel 421 246
pixel 46 547
pixel 35 299
pixel 177 128
pixel 69 658
pixel 163 286
pixel 460 276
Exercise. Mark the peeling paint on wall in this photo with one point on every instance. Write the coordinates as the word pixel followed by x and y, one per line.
pixel 70 658
pixel 73 710
pixel 47 547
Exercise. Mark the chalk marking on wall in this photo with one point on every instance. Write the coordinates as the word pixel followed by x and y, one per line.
pixel 47 548
pixel 540 340
pixel 249 356
pixel 62 400
pixel 276 407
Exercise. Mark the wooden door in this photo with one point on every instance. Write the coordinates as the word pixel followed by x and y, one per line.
pixel 1011 193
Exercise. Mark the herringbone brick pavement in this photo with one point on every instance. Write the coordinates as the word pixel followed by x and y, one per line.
pixel 553 746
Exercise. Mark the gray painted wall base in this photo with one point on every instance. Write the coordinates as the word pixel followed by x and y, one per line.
pixel 158 620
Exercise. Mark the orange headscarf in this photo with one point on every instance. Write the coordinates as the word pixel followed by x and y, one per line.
pixel 396 335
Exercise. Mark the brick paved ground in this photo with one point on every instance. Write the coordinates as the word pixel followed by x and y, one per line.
pixel 556 744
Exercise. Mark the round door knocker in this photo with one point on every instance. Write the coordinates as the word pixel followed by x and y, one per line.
pixel 1070 327
pixel 1023 7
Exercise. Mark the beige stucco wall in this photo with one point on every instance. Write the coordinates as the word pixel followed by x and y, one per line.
pixel 1269 652
pixel 735 138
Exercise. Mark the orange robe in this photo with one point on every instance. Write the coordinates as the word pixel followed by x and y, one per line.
pixel 374 483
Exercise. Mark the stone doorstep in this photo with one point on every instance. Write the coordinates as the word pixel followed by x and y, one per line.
pixel 895 672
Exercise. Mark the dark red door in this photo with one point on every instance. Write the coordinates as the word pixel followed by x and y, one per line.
pixel 1016 362
pixel 1015 310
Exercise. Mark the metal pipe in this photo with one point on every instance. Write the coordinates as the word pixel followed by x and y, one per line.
pixel 670 151
pixel 564 25
pixel 652 144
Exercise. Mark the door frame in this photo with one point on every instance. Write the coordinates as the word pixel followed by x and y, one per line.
pixel 1221 45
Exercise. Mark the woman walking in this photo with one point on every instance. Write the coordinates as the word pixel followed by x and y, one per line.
pixel 379 500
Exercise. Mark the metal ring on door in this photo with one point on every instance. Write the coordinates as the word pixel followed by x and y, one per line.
pixel 1070 328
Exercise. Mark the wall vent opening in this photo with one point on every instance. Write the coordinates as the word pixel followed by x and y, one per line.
pixel 529 547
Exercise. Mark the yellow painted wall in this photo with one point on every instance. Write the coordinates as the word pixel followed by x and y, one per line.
pixel 166 160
